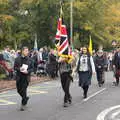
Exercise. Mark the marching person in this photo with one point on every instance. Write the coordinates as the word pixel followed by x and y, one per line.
pixel 23 67
pixel 66 78
pixel 116 66
pixel 100 63
pixel 85 68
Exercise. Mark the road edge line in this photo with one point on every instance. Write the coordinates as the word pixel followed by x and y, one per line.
pixel 94 94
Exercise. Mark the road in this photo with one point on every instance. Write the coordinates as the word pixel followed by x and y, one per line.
pixel 46 102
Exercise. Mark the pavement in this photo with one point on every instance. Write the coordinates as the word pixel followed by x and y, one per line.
pixel 46 102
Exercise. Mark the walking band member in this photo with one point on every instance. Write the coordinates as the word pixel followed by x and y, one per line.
pixel 85 68
pixel 100 63
pixel 66 78
pixel 23 67
pixel 116 66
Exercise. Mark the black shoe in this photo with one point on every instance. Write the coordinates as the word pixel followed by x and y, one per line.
pixel 27 98
pixel 22 108
pixel 70 100
pixel 100 85
pixel 85 96
pixel 102 82
pixel 25 101
pixel 65 104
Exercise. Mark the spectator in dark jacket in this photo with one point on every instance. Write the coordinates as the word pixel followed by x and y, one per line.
pixel 35 61
pixel 52 64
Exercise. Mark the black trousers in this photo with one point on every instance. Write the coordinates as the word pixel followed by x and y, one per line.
pixel 65 82
pixel 117 78
pixel 85 89
pixel 22 84
pixel 100 76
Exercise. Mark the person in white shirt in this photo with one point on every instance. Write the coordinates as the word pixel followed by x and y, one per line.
pixel 85 68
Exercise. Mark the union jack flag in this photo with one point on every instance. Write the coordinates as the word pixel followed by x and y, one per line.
pixel 61 41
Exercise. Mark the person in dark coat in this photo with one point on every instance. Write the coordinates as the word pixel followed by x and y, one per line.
pixel 34 57
pixel 100 63
pixel 66 78
pixel 1 57
pixel 52 65
pixel 23 67
pixel 85 68
pixel 116 66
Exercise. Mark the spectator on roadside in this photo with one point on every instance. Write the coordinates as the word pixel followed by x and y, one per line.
pixel 35 61
pixel 13 56
pixel 7 54
pixel 8 61
pixel 52 64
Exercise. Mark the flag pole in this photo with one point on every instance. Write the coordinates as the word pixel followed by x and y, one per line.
pixel 61 12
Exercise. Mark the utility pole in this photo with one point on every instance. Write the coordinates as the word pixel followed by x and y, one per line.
pixel 71 23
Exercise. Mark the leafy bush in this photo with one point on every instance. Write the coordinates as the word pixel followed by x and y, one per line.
pixel 3 72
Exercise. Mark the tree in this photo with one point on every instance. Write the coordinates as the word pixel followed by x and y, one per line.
pixel 94 17
pixel 20 20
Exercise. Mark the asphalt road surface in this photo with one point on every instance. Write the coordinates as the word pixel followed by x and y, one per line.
pixel 46 102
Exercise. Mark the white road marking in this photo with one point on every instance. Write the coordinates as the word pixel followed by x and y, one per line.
pixel 114 115
pixel 3 92
pixel 47 83
pixel 37 91
pixel 31 92
pixel 8 95
pixel 103 114
pixel 5 102
pixel 44 87
pixel 94 94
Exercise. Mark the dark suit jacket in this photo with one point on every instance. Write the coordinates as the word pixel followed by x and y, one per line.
pixel 116 61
